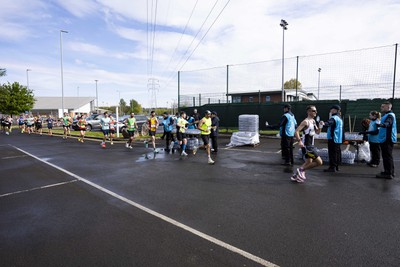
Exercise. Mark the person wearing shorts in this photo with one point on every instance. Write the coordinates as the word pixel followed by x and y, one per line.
pixel 21 123
pixel 105 127
pixel 205 128
pixel 66 121
pixel 153 124
pixel 82 127
pixel 39 125
pixel 7 125
pixel 309 127
pixel 29 124
pixel 50 122
pixel 181 127
pixel 131 126
pixel 113 123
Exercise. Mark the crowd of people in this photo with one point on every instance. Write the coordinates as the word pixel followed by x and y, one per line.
pixel 381 133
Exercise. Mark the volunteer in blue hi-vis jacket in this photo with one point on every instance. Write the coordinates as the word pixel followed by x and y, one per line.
pixel 288 125
pixel 335 138
pixel 387 136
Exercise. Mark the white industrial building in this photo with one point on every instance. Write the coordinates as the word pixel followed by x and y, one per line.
pixel 45 105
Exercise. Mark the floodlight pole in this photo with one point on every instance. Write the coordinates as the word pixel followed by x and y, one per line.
pixel 27 78
pixel 97 98
pixel 284 25
pixel 319 80
pixel 62 73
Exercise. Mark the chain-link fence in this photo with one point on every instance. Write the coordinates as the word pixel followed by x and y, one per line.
pixel 357 74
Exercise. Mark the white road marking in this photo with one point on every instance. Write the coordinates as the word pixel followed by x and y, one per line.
pixel 13 157
pixel 37 188
pixel 248 150
pixel 161 216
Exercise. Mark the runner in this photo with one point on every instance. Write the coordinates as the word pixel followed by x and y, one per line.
pixel 2 119
pixel 214 131
pixel 153 124
pixel 29 124
pixel 181 127
pixel 50 122
pixel 21 123
pixel 66 121
pixel 168 123
pixel 113 124
pixel 82 128
pixel 205 128
pixel 309 127
pixel 105 127
pixel 39 125
pixel 131 126
pixel 8 125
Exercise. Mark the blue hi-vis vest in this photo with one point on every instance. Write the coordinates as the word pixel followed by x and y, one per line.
pixel 290 126
pixel 168 124
pixel 373 138
pixel 336 134
pixel 384 131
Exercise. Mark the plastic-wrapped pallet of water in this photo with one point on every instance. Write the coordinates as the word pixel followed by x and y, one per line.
pixel 353 136
pixel 192 131
pixel 248 123
pixel 244 138
pixel 192 143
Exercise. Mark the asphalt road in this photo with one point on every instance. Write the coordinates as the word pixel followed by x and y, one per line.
pixel 63 203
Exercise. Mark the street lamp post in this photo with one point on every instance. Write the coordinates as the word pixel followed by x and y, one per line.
pixel 284 25
pixel 27 78
pixel 319 80
pixel 62 72
pixel 97 98
pixel 78 97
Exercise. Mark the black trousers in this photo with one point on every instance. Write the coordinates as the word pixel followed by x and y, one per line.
pixel 287 149
pixel 214 142
pixel 375 149
pixel 387 157
pixel 335 154
pixel 168 138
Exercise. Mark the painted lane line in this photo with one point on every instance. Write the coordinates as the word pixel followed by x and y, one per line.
pixel 37 188
pixel 161 216
pixel 14 157
pixel 246 150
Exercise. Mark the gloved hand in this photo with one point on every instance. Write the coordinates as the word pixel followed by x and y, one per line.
pixel 361 133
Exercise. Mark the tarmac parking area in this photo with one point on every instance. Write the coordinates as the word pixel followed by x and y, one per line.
pixel 64 203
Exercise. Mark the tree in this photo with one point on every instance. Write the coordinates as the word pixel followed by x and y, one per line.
pixel 123 107
pixel 3 72
pixel 135 107
pixel 15 98
pixel 291 84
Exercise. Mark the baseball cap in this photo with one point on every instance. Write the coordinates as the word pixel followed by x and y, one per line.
pixel 337 107
pixel 214 113
pixel 207 112
pixel 288 106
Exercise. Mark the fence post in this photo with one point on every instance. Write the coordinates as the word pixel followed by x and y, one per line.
pixel 179 89
pixel 394 72
pixel 199 100
pixel 297 76
pixel 340 93
pixel 227 82
pixel 194 101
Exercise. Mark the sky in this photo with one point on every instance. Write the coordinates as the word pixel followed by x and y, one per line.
pixel 131 46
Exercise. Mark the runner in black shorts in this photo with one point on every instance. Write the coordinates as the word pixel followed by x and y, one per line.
pixel 309 127
pixel 181 127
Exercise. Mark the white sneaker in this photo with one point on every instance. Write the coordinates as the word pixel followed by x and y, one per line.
pixel 210 161
pixel 130 147
pixel 111 143
pixel 156 150
pixel 184 153
pixel 127 145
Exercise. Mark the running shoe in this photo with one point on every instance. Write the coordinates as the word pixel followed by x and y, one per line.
pixel 111 143
pixel 195 150
pixel 301 173
pixel 296 178
pixel 103 145
pixel 130 147
pixel 79 139
pixel 210 161
pixel 127 145
pixel 184 154
pixel 156 150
